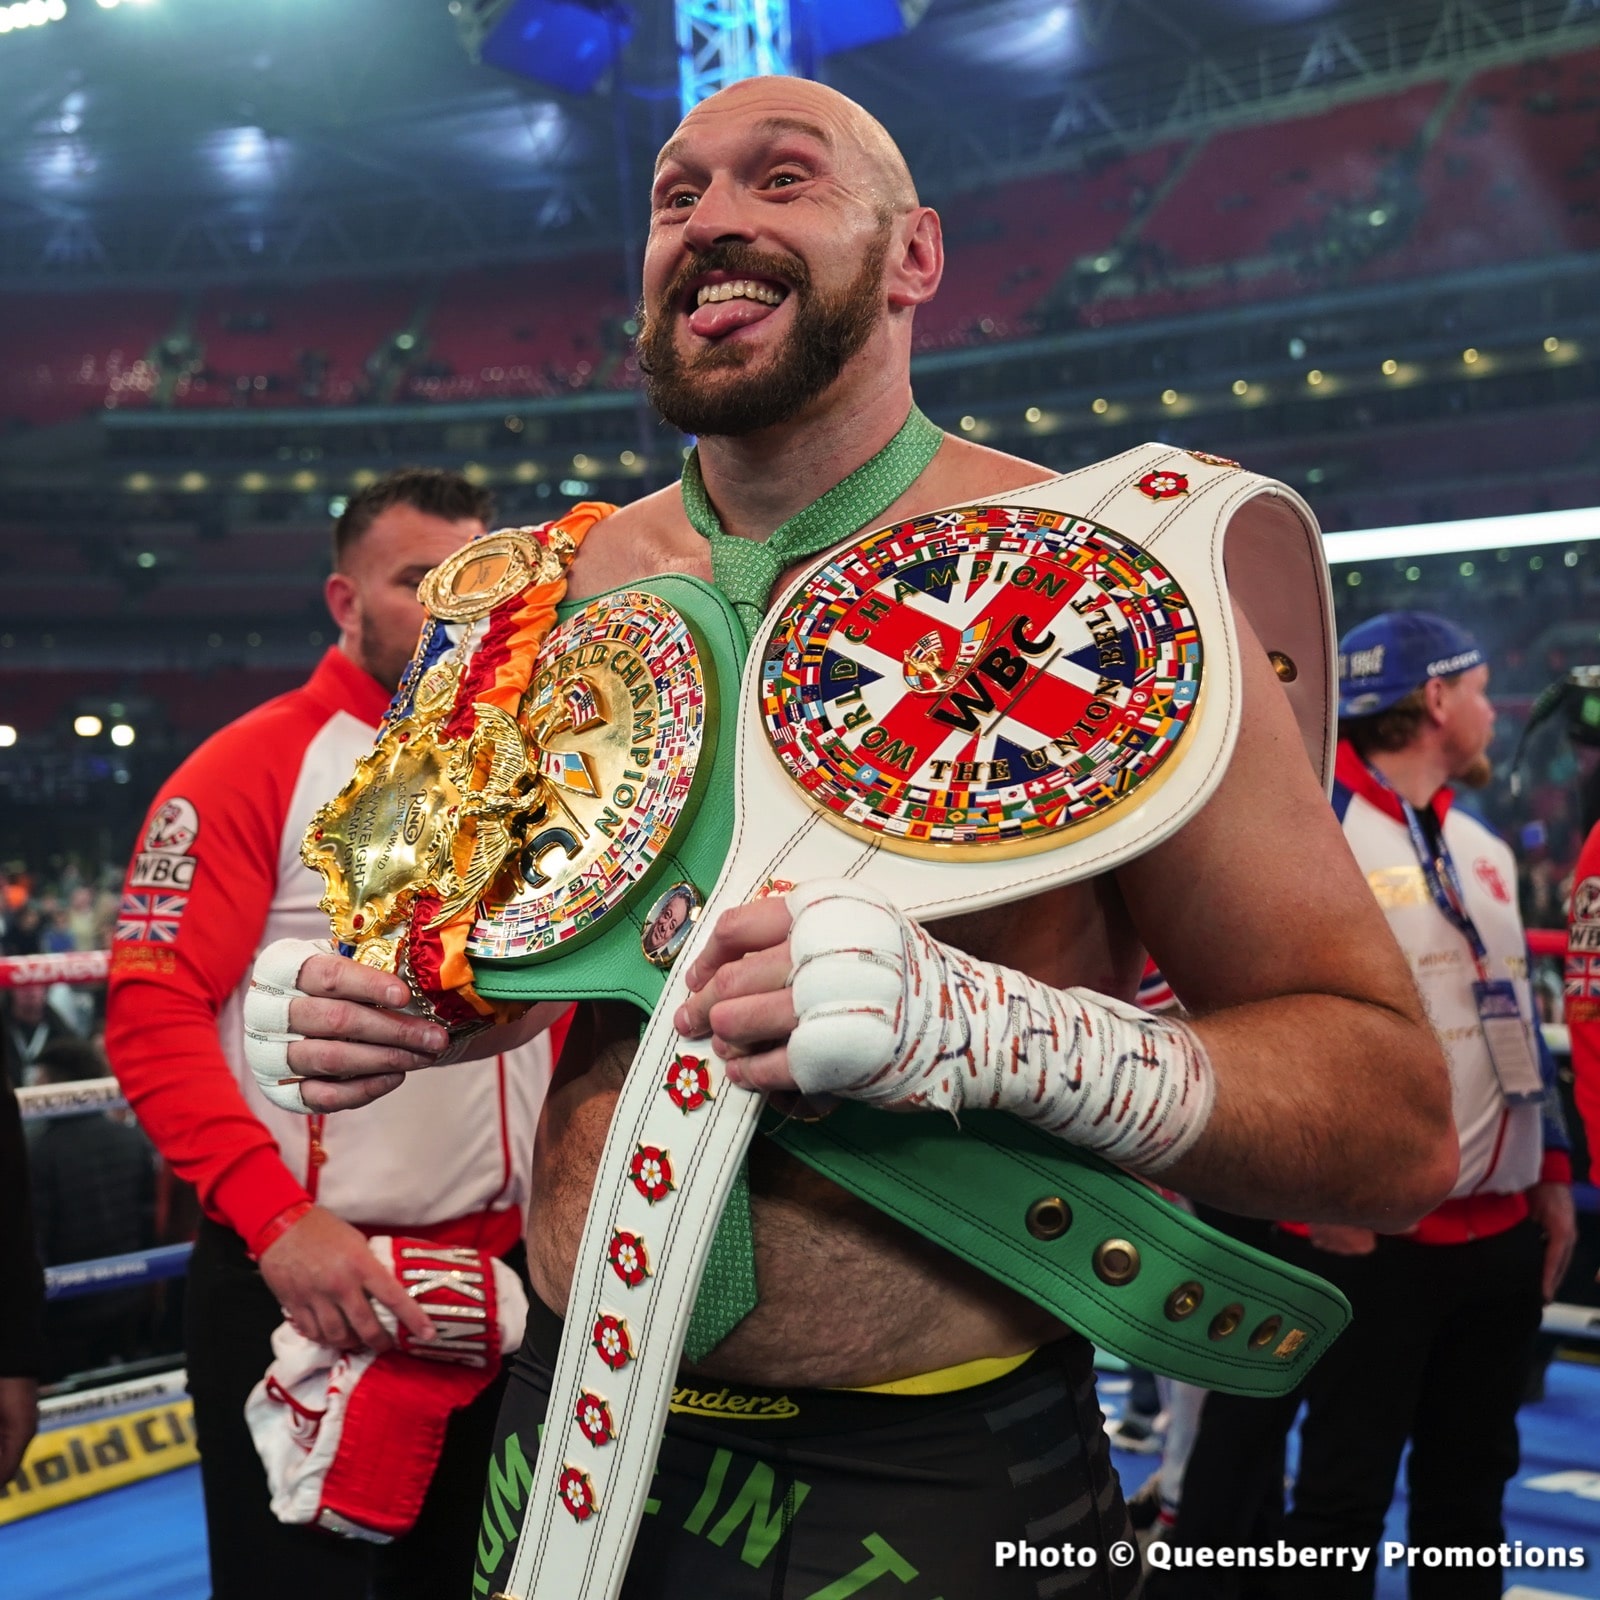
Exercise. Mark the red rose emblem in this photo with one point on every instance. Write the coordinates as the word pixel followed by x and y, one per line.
pixel 594 1419
pixel 628 1259
pixel 688 1083
pixel 612 1343
pixel 577 1493
pixel 651 1172
pixel 1163 485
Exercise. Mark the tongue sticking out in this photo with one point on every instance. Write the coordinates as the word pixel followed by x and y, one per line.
pixel 717 317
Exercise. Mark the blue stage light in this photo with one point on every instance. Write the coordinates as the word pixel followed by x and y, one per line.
pixel 567 46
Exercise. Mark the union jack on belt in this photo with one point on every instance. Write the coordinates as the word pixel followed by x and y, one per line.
pixel 1583 977
pixel 150 918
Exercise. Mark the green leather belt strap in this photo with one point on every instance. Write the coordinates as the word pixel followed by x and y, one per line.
pixel 968 1190
pixel 1108 1256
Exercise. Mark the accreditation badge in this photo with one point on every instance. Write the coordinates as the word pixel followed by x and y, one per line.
pixel 1509 1037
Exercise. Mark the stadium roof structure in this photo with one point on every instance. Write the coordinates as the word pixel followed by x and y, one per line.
pixel 193 141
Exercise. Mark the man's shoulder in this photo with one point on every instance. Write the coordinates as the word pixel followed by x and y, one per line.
pixel 1469 825
pixel 268 740
pixel 963 470
pixel 647 536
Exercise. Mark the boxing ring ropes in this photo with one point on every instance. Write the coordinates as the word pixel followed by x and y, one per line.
pixel 141 1399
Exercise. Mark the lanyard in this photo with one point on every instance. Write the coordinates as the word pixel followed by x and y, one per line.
pixel 1439 873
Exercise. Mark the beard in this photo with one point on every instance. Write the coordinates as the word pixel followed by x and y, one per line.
pixel 706 393
pixel 1478 773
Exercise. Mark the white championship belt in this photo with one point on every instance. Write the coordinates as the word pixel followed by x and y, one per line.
pixel 968 708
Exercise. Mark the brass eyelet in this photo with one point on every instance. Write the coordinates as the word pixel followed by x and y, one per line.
pixel 1184 1301
pixel 1049 1218
pixel 1226 1322
pixel 1116 1261
pixel 1266 1333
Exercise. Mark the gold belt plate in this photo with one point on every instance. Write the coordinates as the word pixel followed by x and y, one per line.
pixel 421 815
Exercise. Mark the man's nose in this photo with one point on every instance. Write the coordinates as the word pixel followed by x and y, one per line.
pixel 720 214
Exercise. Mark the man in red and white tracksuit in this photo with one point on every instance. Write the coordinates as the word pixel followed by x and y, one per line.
pixel 289 1200
pixel 1583 992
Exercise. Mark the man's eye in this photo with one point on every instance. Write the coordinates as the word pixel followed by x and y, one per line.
pixel 679 199
pixel 784 179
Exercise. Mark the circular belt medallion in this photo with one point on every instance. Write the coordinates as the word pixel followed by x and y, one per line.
pixel 617 716
pixel 980 679
pixel 473 581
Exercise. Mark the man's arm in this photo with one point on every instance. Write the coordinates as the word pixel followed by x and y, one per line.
pixel 161 1038
pixel 1318 1091
pixel 165 997
pixel 1333 1098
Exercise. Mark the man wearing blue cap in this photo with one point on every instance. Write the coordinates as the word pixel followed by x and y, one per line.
pixel 1445 1313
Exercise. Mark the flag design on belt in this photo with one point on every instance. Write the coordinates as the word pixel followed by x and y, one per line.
pixel 150 918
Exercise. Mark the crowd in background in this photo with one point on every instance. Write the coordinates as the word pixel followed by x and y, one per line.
pixel 97 1187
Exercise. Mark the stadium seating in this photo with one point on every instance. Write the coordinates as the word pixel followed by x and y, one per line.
pixel 70 355
pixel 1006 249
pixel 1516 172
pixel 1247 196
pixel 1383 188
pixel 539 328
pixel 311 344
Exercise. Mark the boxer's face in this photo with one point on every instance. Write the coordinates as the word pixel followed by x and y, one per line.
pixel 764 272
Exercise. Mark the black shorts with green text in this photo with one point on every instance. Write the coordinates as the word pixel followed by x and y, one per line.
pixel 998 1491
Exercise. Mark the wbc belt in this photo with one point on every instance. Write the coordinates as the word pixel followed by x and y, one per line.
pixel 964 709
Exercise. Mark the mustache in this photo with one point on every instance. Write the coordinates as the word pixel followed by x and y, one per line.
pixel 741 261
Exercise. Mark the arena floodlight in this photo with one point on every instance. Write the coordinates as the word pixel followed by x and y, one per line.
pixel 87 726
pixel 8 736
pixel 1472 533
pixel 31 14
pixel 122 735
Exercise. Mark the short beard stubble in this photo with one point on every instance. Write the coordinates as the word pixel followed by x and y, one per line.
pixel 827 331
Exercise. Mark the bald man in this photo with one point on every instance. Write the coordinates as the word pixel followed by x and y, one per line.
pixel 887 1415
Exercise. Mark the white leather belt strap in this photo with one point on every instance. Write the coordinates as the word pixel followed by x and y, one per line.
pixel 680 1130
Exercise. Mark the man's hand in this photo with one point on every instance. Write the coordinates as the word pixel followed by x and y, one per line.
pixel 326 1277
pixel 19 1420
pixel 356 1033
pixel 740 995
pixel 1550 1205
pixel 1339 1240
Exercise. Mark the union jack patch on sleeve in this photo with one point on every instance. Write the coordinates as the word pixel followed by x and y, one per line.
pixel 150 918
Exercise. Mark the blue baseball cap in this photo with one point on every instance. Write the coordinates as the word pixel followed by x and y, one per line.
pixel 1384 658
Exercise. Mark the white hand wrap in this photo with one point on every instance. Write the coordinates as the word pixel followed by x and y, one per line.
pixel 889 1015
pixel 274 983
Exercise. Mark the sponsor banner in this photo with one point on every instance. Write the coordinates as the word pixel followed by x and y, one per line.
pixel 67 966
pixel 87 1458
pixel 69 1099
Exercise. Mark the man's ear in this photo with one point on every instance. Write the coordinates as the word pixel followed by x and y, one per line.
pixel 1433 693
pixel 340 594
pixel 917 258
